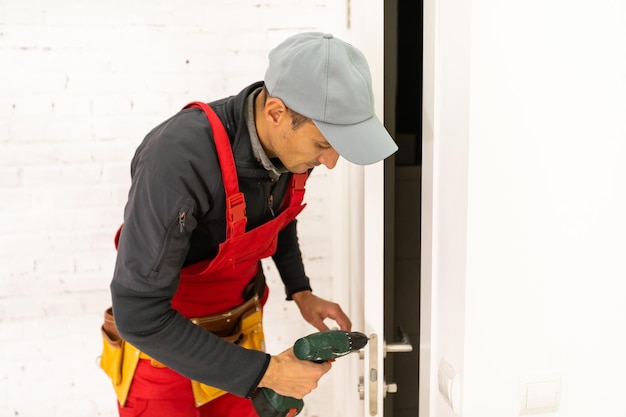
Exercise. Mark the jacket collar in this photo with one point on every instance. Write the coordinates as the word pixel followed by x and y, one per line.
pixel 230 110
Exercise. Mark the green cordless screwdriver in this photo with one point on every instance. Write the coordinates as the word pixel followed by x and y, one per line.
pixel 317 347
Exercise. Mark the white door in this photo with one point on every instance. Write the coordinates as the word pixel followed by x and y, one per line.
pixel 367 202
pixel 373 292
pixel 362 240
pixel 359 240
pixel 360 235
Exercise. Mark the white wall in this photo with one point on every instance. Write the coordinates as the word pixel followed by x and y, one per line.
pixel 82 83
pixel 525 109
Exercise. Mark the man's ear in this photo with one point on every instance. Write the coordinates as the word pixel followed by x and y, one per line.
pixel 275 110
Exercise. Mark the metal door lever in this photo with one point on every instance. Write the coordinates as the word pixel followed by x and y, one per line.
pixel 404 345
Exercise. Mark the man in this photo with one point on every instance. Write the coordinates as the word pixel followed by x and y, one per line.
pixel 215 189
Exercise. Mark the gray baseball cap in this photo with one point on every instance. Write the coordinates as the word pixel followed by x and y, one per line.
pixel 328 80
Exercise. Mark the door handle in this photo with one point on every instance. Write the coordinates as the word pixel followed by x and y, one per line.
pixel 404 345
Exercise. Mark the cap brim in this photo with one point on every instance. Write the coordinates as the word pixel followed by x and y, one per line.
pixel 362 143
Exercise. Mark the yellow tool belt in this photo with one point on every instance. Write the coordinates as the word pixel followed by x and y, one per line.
pixel 119 359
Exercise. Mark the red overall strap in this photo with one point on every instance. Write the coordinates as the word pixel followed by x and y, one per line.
pixel 296 190
pixel 235 202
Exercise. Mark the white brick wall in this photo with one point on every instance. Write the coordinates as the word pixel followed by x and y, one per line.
pixel 82 83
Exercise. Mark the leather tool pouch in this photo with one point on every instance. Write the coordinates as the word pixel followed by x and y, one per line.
pixel 108 328
pixel 228 325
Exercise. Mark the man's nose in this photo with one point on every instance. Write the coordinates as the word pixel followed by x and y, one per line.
pixel 329 158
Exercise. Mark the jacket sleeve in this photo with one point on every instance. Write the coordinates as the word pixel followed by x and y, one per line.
pixel 288 260
pixel 151 251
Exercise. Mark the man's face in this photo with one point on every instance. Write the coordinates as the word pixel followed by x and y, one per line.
pixel 303 148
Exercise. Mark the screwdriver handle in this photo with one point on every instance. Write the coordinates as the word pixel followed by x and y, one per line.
pixel 268 403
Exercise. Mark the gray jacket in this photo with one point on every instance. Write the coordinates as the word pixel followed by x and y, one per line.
pixel 176 168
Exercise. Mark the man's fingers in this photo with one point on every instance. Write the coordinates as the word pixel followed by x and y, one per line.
pixel 342 319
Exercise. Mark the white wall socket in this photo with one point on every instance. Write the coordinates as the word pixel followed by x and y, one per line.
pixel 449 385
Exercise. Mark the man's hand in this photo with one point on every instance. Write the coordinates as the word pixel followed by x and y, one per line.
pixel 315 310
pixel 291 377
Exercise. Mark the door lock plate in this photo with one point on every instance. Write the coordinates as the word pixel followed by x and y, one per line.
pixel 373 375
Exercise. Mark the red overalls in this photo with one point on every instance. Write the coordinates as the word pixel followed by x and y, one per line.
pixel 211 287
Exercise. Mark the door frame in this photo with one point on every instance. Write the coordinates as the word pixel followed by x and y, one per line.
pixel 365 210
